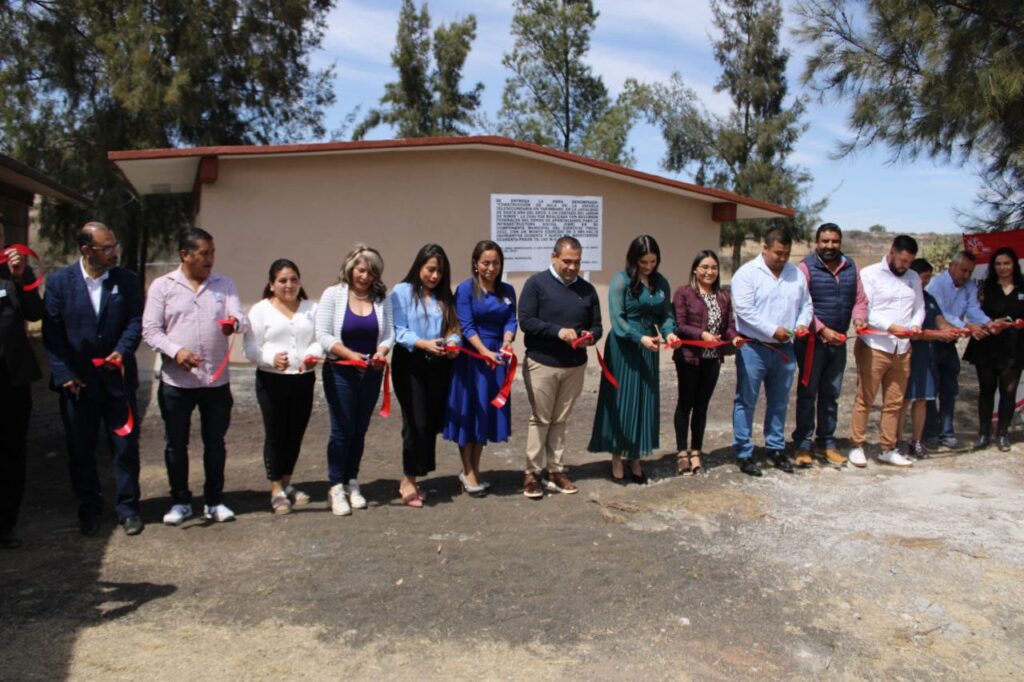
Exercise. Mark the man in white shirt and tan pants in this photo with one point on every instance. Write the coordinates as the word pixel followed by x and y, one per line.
pixel 895 306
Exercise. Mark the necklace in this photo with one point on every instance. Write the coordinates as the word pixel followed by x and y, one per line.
pixel 362 297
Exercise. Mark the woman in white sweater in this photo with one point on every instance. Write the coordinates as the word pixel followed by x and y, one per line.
pixel 282 343
pixel 353 323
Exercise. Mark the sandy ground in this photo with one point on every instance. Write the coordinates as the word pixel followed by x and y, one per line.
pixel 832 574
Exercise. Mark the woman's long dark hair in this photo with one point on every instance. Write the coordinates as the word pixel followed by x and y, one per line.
pixel 276 267
pixel 479 250
pixel 992 279
pixel 442 292
pixel 638 248
pixel 716 286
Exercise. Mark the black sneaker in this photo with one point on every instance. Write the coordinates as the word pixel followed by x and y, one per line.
pixel 1004 443
pixel 983 442
pixel 132 525
pixel 780 461
pixel 749 467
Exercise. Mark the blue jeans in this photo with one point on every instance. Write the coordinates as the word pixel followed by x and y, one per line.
pixel 176 407
pixel 939 422
pixel 757 364
pixel 824 387
pixel 351 396
pixel 82 417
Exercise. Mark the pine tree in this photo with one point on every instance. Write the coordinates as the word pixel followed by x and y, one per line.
pixel 426 101
pixel 79 78
pixel 552 97
pixel 746 151
pixel 940 78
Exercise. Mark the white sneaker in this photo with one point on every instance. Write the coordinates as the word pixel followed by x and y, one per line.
pixel 894 458
pixel 355 497
pixel 339 505
pixel 857 458
pixel 218 513
pixel 178 513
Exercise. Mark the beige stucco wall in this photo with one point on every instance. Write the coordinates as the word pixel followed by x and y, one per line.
pixel 312 209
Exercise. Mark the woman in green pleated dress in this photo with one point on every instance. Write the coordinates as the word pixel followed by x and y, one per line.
pixel 627 421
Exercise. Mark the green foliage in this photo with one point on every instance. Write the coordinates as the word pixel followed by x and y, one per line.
pixel 79 79
pixel 942 78
pixel 425 102
pixel 939 251
pixel 877 228
pixel 745 151
pixel 552 97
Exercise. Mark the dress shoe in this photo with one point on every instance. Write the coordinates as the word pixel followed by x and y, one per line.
pixel 1004 442
pixel 951 442
pixel 89 526
pixel 8 540
pixel 132 524
pixel 749 467
pixel 780 461
pixel 984 440
pixel 803 458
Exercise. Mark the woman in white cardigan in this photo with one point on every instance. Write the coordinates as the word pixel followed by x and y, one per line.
pixel 353 323
pixel 282 343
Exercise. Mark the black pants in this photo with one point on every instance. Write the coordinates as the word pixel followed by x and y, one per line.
pixel 176 406
pixel 696 385
pixel 82 417
pixel 286 401
pixel 421 384
pixel 989 378
pixel 15 407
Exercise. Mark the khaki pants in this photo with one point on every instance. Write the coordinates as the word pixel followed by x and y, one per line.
pixel 890 371
pixel 552 392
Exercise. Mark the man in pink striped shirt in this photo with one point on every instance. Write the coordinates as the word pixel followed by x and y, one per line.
pixel 190 316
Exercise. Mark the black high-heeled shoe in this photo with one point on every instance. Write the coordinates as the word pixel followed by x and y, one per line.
pixel 639 479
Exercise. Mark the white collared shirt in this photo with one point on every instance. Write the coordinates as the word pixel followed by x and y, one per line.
pixel 93 286
pixel 892 300
pixel 762 302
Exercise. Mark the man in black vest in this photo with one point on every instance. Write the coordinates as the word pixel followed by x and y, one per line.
pixel 560 315
pixel 18 369
pixel 838 298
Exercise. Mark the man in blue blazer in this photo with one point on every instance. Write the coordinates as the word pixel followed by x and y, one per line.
pixel 92 326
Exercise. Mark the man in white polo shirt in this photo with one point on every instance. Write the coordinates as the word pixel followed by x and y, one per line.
pixel 895 306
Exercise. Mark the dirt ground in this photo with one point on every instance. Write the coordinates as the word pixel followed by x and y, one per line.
pixel 851 574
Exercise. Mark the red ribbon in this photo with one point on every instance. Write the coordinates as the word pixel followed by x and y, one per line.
pixel 995 326
pixel 129 425
pixel 24 251
pixel 510 374
pixel 225 324
pixel 385 407
pixel 607 373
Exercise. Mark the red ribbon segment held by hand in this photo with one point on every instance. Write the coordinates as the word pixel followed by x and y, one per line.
pixel 225 324
pixel 24 251
pixel 510 374
pixel 607 373
pixel 385 407
pixel 129 424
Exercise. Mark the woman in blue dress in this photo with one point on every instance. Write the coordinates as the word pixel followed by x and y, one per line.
pixel 627 422
pixel 486 308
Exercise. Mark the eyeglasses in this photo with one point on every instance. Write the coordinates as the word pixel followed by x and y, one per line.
pixel 107 250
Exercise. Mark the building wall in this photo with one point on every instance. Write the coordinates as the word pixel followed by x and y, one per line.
pixel 312 209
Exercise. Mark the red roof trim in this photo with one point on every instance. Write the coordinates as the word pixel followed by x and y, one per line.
pixel 425 142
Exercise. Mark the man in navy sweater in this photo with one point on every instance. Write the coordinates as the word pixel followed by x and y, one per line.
pixel 560 315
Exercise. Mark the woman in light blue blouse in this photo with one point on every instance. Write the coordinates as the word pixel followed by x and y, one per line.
pixel 425 321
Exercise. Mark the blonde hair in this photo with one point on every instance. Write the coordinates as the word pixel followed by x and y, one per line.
pixel 371 258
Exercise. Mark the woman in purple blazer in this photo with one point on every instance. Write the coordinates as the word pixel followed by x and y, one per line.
pixel 703 313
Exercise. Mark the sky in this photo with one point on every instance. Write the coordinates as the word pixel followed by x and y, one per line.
pixel 649 40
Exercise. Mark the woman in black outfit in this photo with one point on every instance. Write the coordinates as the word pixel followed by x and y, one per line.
pixel 999 358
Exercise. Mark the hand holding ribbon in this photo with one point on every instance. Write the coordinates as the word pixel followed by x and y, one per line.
pixel 587 339
pixel 227 326
pixel 14 255
pixel 114 361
